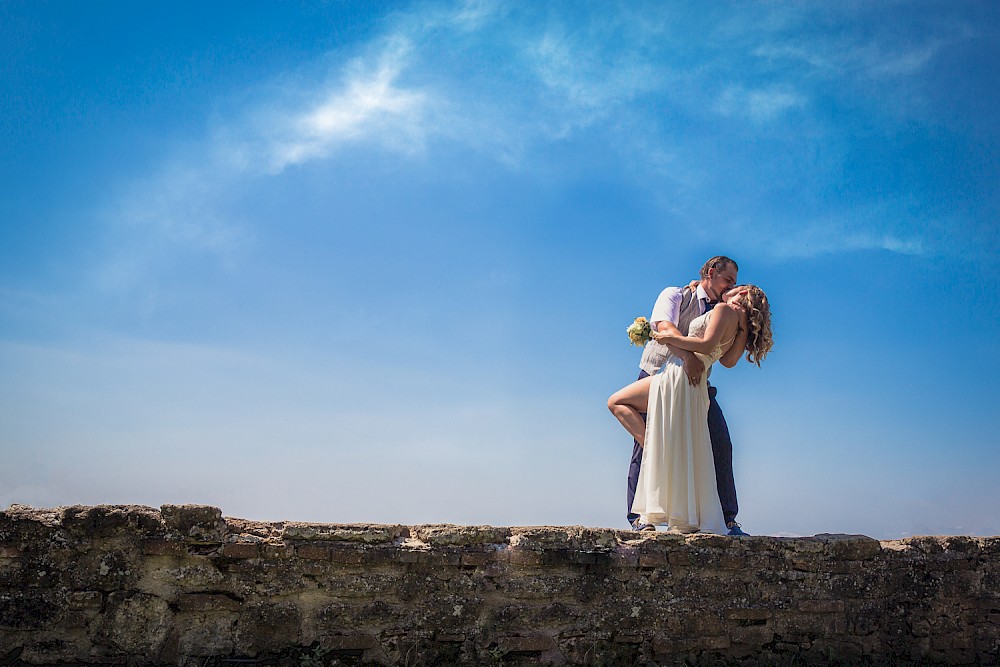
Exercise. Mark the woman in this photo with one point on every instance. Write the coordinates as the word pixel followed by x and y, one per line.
pixel 677 484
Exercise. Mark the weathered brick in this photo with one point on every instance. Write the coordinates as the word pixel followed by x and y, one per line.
pixel 267 624
pixel 625 557
pixel 476 558
pixel 747 614
pixel 665 646
pixel 354 642
pixel 381 555
pixel 85 600
pixel 412 556
pixel 676 645
pixel 680 558
pixel 312 552
pixel 731 562
pixel 713 643
pixel 821 606
pixel 754 634
pixel 524 557
pixel 241 550
pixel 164 548
pixel 527 644
pixel 74 619
pixel 347 555
pixel 198 523
pixel 653 559
pixel 207 602
pixel 851 547
pixel 278 551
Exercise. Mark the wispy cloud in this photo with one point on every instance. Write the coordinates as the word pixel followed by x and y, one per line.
pixel 474 14
pixel 591 73
pixel 185 205
pixel 818 241
pixel 584 79
pixel 183 208
pixel 830 235
pixel 760 105
pixel 369 105
pixel 908 61
pixel 839 55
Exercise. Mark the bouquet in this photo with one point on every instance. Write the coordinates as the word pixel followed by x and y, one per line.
pixel 639 332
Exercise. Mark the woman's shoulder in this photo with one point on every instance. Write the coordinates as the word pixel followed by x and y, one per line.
pixel 724 311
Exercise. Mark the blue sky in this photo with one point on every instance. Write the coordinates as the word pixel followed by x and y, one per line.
pixel 374 261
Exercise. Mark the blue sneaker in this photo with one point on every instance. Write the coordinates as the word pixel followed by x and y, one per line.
pixel 735 529
pixel 640 526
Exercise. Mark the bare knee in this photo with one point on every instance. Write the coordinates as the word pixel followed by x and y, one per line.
pixel 619 407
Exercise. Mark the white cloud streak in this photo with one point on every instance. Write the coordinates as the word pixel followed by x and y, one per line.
pixel 761 105
pixel 583 80
pixel 840 56
pixel 474 14
pixel 872 231
pixel 369 105
pixel 185 206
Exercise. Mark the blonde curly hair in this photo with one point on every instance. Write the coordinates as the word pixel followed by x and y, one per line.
pixel 759 337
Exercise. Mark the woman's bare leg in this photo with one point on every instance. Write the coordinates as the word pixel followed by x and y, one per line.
pixel 628 403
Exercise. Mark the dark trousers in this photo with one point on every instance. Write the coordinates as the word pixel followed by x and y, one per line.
pixel 722 452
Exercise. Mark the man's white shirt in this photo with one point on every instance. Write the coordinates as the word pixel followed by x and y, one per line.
pixel 668 305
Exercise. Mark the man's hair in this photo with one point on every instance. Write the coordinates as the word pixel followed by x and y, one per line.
pixel 718 263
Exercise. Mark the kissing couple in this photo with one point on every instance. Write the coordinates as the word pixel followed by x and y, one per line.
pixel 681 475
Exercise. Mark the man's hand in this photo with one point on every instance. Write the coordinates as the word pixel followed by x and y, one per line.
pixel 694 368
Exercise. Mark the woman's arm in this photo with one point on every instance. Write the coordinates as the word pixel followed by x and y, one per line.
pixel 735 351
pixel 693 366
pixel 721 327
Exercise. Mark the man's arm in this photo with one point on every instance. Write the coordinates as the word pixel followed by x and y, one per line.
pixel 667 307
pixel 694 367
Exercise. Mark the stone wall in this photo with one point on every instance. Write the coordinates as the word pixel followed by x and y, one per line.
pixel 183 586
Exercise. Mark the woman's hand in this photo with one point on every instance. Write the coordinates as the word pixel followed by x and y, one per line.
pixel 661 336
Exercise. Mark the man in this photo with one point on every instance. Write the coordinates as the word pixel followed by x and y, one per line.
pixel 680 306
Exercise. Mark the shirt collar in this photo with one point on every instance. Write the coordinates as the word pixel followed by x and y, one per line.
pixel 702 294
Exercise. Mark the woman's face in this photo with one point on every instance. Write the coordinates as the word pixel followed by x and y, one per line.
pixel 734 294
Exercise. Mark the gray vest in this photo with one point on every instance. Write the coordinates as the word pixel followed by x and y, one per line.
pixel 656 353
pixel 690 309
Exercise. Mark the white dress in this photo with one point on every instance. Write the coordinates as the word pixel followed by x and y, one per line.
pixel 677 484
